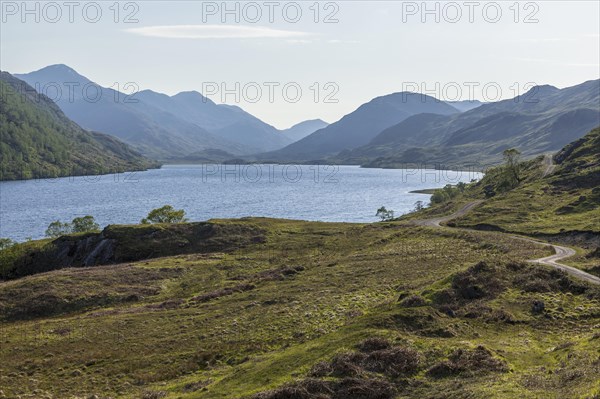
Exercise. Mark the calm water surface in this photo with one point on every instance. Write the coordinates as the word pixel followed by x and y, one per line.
pixel 320 193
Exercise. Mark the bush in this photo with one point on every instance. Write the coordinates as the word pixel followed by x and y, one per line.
pixel 447 193
pixel 373 344
pixel 464 361
pixel 413 301
pixel 479 281
pixel 375 355
pixel 6 243
pixel 393 361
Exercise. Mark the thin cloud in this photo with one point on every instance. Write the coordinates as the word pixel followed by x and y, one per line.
pixel 214 32
pixel 338 41
pixel 299 41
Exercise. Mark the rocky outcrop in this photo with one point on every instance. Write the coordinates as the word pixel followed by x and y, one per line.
pixel 117 244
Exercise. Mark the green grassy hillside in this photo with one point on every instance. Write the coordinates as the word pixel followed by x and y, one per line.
pixel 455 308
pixel 566 199
pixel 557 201
pixel 38 140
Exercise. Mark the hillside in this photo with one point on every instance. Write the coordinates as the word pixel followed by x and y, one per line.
pixel 557 199
pixel 565 200
pixel 38 140
pixel 418 313
pixel 266 309
pixel 360 126
pixel 541 120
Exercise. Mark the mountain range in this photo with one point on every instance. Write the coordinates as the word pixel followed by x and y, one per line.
pixel 387 131
pixel 542 120
pixel 39 141
pixel 401 128
pixel 360 126
pixel 158 125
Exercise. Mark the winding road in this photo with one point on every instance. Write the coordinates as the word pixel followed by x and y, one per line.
pixel 552 260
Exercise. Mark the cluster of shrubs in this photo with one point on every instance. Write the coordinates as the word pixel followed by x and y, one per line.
pixel 85 224
pixel 355 374
pixel 373 371
pixel 447 193
pixel 470 291
pixel 375 355
pixel 468 362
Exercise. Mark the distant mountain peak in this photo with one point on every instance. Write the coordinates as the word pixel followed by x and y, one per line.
pixel 310 122
pixel 57 73
pixel 542 90
pixel 189 93
pixel 193 95
pixel 304 128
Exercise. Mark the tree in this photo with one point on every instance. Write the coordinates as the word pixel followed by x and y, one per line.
pixel 385 214
pixel 58 228
pixel 439 196
pixel 84 224
pixel 419 206
pixel 165 214
pixel 512 166
pixel 6 243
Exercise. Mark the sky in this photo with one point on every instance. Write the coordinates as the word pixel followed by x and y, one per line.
pixel 286 62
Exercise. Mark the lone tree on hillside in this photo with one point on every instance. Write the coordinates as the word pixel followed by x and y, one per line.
pixel 419 205
pixel 385 214
pixel 165 214
pixel 6 243
pixel 512 166
pixel 84 224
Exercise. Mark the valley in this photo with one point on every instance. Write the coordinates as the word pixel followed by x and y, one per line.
pixel 299 200
pixel 271 308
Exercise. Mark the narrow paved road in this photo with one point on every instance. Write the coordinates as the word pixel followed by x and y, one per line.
pixel 561 253
pixel 436 222
pixel 552 261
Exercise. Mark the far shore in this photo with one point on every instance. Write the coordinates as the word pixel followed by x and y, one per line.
pixel 424 191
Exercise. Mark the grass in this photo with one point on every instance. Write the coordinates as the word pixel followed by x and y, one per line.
pixel 131 329
pixel 265 308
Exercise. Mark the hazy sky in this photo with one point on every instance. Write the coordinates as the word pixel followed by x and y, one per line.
pixel 347 52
